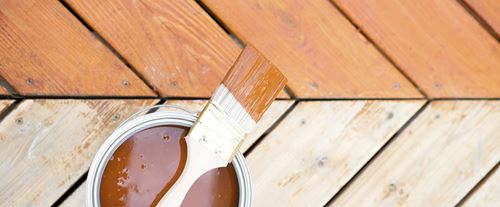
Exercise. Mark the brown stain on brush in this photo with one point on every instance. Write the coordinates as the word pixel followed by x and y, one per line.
pixel 254 81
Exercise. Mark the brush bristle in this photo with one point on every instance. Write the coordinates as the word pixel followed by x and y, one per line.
pixel 218 131
pixel 239 102
pixel 233 108
pixel 254 82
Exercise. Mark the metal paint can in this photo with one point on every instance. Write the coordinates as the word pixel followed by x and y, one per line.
pixel 147 118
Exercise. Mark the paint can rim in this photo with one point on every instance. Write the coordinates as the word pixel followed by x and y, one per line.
pixel 139 122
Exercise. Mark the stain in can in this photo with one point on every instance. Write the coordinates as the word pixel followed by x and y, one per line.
pixel 147 164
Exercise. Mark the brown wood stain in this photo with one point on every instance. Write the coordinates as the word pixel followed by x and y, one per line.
pixel 145 166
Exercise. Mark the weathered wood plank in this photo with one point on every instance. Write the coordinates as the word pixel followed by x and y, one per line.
pixel 45 50
pixel 488 194
pixel 46 145
pixel 77 198
pixel 319 146
pixel 489 10
pixel 437 43
pixel 320 52
pixel 175 45
pixel 436 161
pixel 270 117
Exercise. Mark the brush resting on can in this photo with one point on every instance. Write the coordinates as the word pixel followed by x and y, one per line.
pixel 147 164
pixel 246 92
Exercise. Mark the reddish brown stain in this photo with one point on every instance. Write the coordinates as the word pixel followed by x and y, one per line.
pixel 145 166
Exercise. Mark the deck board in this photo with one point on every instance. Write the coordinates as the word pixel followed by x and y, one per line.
pixel 46 145
pixel 45 50
pixel 437 43
pixel 317 150
pixel 436 161
pixel 488 193
pixel 319 146
pixel 77 198
pixel 175 45
pixel 276 110
pixel 489 10
pixel 320 52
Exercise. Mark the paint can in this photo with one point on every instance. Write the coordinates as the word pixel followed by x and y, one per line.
pixel 147 118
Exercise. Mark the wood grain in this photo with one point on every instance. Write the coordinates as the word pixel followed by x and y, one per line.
pixel 319 146
pixel 318 50
pixel 277 109
pixel 489 10
pixel 175 45
pixel 46 145
pixel 45 50
pixel 436 161
pixel 437 43
pixel 487 194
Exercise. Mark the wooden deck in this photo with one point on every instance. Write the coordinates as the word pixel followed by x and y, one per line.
pixel 389 102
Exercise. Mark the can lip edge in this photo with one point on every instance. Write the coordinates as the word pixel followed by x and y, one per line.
pixel 138 123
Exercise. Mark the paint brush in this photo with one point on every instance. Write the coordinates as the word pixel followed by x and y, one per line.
pixel 246 92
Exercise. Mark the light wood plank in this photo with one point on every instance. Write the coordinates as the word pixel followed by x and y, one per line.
pixel 319 146
pixel 77 198
pixel 46 145
pixel 488 194
pixel 175 45
pixel 489 10
pixel 437 43
pixel 436 161
pixel 320 52
pixel 270 117
pixel 45 50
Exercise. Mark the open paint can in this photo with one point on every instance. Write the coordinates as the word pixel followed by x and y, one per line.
pixel 108 179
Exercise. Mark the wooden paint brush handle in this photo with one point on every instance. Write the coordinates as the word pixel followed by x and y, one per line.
pixel 239 102
pixel 199 160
